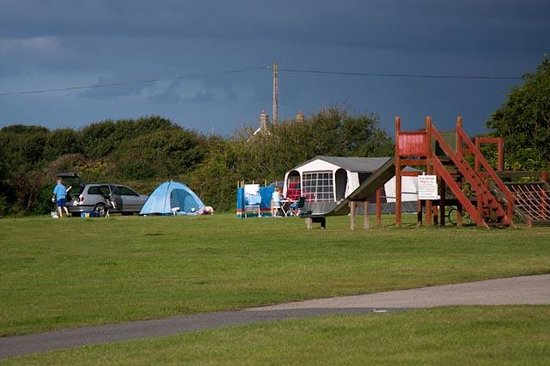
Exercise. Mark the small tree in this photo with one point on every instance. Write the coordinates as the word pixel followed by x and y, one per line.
pixel 524 121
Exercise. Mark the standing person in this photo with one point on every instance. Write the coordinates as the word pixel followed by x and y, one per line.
pixel 276 198
pixel 60 195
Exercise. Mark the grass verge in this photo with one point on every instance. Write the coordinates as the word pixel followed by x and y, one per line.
pixel 71 272
pixel 516 335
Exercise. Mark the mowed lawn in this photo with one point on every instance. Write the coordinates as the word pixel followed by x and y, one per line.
pixel 515 335
pixel 71 272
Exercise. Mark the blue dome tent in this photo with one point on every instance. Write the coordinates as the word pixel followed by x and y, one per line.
pixel 172 198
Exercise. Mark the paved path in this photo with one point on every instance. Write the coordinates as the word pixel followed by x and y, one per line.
pixel 507 291
pixel 527 290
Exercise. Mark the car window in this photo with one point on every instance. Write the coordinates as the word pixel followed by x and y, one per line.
pixel 99 190
pixel 93 190
pixel 105 191
pixel 125 191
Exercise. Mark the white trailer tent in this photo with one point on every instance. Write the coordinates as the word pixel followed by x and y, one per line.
pixel 409 188
pixel 330 178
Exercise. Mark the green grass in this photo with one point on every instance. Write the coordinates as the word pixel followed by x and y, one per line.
pixel 446 336
pixel 71 272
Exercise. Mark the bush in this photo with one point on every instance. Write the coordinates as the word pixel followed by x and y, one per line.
pixel 144 152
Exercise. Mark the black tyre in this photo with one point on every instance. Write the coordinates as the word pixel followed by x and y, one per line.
pixel 451 215
pixel 99 210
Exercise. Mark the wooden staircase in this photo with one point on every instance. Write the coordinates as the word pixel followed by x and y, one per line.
pixel 490 202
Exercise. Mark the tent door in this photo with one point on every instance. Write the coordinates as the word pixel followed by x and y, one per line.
pixel 341 180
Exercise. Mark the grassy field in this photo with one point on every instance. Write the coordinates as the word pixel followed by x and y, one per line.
pixel 445 336
pixel 71 272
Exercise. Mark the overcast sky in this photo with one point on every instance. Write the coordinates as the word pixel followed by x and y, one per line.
pixel 56 44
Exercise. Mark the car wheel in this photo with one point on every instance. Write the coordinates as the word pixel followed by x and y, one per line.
pixel 99 210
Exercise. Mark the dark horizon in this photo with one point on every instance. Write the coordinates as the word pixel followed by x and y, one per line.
pixel 64 44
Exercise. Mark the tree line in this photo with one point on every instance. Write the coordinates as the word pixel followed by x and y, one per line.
pixel 524 121
pixel 144 152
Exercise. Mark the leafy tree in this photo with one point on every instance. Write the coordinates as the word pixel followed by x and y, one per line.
pixel 216 178
pixel 145 151
pixel 268 156
pixel 524 121
pixel 3 182
pixel 100 139
pixel 160 154
pixel 60 142
pixel 67 163
pixel 23 145
pixel 331 132
pixel 23 152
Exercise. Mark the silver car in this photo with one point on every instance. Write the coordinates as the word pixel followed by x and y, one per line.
pixel 98 198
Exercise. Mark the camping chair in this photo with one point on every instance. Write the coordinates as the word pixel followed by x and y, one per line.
pixel 252 199
pixel 297 207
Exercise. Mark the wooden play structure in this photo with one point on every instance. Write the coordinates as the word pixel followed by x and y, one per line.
pixel 486 195
pixel 466 180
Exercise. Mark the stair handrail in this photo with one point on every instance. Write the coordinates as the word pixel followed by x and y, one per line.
pixel 488 168
pixel 455 156
pixel 466 204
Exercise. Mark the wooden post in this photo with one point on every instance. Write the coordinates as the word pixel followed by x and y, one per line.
pixel 429 169
pixel 352 215
pixel 366 215
pixel 442 202
pixel 459 208
pixel 398 195
pixel 458 139
pixel 275 69
pixel 397 174
pixel 479 212
pixel 477 164
pixel 418 213
pixel 500 154
pixel 379 206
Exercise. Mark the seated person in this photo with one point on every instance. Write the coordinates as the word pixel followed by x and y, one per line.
pixel 296 206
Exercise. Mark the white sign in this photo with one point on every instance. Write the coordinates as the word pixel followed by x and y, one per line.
pixel 427 187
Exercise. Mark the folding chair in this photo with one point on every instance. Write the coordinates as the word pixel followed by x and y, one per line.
pixel 297 207
pixel 252 199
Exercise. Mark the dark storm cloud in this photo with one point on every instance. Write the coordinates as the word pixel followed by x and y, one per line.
pixel 56 43
pixel 364 23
